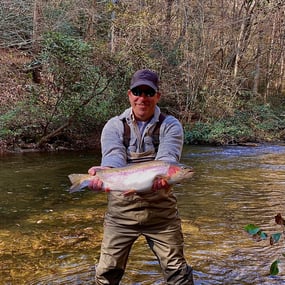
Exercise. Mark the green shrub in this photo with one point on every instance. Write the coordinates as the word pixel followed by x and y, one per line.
pixel 257 123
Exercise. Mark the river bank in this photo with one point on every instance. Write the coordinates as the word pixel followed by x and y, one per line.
pixel 92 142
pixel 82 143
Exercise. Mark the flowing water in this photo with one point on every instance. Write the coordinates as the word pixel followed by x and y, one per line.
pixel 48 236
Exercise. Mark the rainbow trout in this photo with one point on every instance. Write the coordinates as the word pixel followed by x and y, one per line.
pixel 133 178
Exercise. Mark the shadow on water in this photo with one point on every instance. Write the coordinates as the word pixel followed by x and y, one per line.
pixel 48 236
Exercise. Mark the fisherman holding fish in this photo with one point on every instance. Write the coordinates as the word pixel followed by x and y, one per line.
pixel 141 133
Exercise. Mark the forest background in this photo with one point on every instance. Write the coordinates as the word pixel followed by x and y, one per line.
pixel 66 67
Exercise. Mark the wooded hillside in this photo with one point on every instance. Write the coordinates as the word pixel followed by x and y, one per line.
pixel 67 63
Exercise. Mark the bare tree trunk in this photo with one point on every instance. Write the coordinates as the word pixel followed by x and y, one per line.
pixel 168 17
pixel 270 60
pixel 281 79
pixel 257 66
pixel 91 21
pixel 244 32
pixel 281 83
pixel 112 32
pixel 37 33
pixel 37 25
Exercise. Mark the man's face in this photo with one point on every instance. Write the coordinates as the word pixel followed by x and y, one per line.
pixel 143 105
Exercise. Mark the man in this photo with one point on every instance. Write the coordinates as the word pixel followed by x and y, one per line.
pixel 130 138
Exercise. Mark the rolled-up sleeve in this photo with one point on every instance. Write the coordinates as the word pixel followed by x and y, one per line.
pixel 171 140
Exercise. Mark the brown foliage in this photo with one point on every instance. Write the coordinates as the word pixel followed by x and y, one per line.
pixel 13 78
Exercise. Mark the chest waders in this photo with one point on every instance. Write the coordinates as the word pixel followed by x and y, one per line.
pixel 153 215
pixel 155 133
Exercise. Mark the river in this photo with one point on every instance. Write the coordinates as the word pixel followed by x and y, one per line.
pixel 49 236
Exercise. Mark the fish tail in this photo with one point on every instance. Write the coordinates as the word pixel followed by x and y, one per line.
pixel 75 188
pixel 76 183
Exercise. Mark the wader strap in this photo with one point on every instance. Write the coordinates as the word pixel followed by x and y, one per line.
pixel 155 133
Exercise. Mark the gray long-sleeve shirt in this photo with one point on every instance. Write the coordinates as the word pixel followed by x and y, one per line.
pixel 153 208
pixel 114 152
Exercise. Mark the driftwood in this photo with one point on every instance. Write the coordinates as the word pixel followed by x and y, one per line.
pixel 54 133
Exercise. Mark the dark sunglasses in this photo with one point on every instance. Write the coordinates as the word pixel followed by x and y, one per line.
pixel 147 92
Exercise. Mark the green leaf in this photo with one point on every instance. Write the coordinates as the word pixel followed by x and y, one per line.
pixel 274 270
pixel 275 238
pixel 262 235
pixel 255 232
pixel 252 229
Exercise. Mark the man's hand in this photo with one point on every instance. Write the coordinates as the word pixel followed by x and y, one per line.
pixel 93 169
pixel 95 184
pixel 160 183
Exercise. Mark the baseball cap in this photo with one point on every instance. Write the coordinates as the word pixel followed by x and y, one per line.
pixel 145 77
